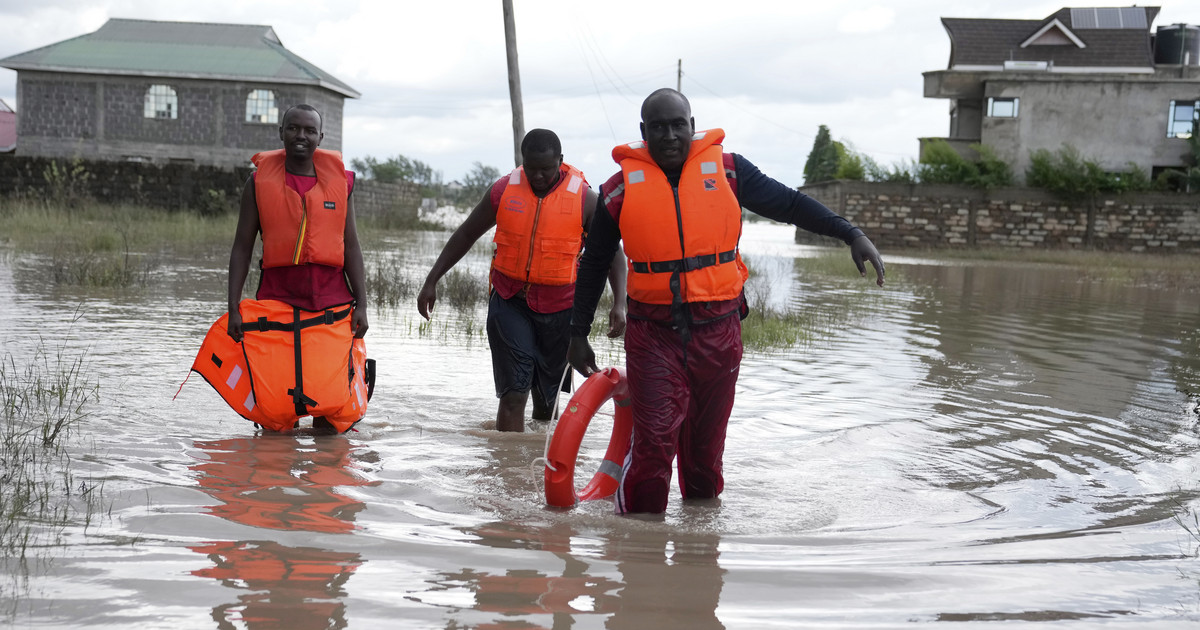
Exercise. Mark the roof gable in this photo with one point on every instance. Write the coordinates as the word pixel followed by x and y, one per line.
pixel 1054 33
pixel 193 50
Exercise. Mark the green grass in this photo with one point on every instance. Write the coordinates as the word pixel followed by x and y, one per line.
pixel 43 401
pixel 96 245
pixel 29 225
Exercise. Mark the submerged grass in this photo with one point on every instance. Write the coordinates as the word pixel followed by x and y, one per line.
pixel 388 283
pixel 43 402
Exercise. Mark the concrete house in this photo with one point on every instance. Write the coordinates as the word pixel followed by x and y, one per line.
pixel 1095 78
pixel 162 92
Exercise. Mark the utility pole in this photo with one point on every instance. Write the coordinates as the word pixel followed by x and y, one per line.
pixel 679 77
pixel 514 80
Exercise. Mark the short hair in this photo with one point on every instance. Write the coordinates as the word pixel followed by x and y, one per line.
pixel 306 107
pixel 540 140
pixel 665 92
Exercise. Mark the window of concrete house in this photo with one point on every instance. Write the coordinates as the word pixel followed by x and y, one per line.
pixel 161 103
pixel 260 107
pixel 1181 117
pixel 1003 107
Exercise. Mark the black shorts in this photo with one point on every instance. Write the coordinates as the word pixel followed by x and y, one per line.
pixel 529 349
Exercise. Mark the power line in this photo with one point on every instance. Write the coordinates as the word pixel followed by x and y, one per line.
pixel 773 122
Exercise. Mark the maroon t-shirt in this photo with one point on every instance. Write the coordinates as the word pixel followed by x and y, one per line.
pixel 311 286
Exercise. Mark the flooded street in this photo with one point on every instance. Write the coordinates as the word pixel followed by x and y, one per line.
pixel 973 443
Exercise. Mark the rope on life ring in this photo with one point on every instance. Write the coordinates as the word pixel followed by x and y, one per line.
pixel 607 384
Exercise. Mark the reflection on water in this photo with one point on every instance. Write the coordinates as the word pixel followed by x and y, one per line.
pixel 284 587
pixel 972 443
pixel 280 482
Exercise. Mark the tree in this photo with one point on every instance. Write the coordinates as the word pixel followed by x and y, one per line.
pixel 477 181
pixel 822 162
pixel 400 169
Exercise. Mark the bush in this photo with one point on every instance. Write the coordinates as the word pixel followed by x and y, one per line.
pixel 213 203
pixel 1068 175
pixel 992 171
pixel 941 164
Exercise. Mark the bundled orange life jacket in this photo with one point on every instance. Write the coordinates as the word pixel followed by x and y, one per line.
pixel 295 229
pixel 289 364
pixel 688 240
pixel 538 240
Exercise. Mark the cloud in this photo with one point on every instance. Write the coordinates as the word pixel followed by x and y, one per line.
pixel 869 20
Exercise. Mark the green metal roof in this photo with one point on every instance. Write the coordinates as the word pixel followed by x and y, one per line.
pixel 190 50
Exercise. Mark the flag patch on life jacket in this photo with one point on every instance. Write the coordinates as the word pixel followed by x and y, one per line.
pixel 710 184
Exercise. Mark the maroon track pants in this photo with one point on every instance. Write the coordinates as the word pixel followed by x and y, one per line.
pixel 681 405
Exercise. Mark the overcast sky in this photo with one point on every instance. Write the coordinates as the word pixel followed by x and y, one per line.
pixel 434 83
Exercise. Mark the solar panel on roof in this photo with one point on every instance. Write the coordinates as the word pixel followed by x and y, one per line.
pixel 1083 18
pixel 1109 17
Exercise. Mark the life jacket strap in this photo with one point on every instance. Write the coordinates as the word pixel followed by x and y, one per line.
pixel 691 263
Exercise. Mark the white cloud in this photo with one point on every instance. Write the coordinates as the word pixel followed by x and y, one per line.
pixel 869 20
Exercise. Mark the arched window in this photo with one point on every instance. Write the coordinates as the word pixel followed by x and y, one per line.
pixel 161 102
pixel 260 107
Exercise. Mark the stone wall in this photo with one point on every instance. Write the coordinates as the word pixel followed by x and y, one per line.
pixel 932 216
pixel 173 186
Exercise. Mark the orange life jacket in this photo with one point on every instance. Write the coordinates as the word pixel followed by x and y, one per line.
pixel 295 229
pixel 267 381
pixel 538 240
pixel 689 239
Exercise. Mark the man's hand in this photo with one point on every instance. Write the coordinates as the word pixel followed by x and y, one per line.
pixel 862 249
pixel 616 321
pixel 581 357
pixel 234 325
pixel 426 298
pixel 358 321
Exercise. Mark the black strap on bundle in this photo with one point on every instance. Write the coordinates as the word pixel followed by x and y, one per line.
pixel 302 401
pixel 326 318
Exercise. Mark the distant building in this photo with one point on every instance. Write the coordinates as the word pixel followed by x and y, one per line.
pixel 8 128
pixel 147 91
pixel 1094 78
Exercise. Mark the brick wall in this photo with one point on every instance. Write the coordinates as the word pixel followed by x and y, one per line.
pixel 378 200
pixel 172 186
pixel 927 216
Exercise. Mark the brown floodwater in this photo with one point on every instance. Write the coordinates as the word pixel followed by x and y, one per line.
pixel 973 443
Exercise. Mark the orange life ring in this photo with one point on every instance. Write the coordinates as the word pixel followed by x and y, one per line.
pixel 568 435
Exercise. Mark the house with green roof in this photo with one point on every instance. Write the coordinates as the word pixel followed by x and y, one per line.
pixel 167 92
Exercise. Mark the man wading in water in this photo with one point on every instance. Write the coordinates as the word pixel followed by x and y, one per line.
pixel 541 212
pixel 676 207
